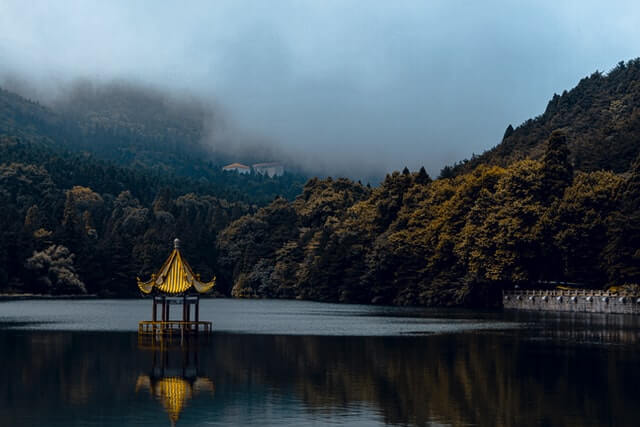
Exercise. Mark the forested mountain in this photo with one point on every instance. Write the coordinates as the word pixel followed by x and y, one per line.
pixel 70 223
pixel 78 222
pixel 453 241
pixel 94 188
pixel 601 117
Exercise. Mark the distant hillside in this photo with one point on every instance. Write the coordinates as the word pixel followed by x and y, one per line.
pixel 133 125
pixel 137 128
pixel 29 120
pixel 601 117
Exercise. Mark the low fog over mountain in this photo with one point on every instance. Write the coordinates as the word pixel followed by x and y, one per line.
pixel 349 88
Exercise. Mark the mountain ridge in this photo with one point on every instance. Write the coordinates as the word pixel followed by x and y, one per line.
pixel 601 116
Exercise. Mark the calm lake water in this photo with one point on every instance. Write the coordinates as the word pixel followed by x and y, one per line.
pixel 79 363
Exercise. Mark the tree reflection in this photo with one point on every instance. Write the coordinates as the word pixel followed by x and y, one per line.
pixel 462 379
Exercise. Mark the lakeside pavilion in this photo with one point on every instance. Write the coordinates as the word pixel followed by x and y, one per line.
pixel 175 284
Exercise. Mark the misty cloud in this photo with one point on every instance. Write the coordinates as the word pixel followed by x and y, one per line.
pixel 345 87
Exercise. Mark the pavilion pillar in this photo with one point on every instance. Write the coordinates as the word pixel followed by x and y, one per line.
pixel 185 313
pixel 164 308
pixel 188 309
pixel 153 317
pixel 197 313
pixel 168 311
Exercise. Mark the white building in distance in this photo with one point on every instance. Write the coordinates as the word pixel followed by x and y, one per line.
pixel 237 167
pixel 269 169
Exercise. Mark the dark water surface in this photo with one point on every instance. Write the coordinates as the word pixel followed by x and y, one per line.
pixel 79 363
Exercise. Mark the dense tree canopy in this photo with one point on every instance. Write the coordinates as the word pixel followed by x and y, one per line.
pixel 100 233
pixel 451 241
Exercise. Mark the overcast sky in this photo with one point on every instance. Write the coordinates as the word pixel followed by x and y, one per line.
pixel 361 86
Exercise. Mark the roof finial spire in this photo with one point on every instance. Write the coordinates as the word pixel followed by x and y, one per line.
pixel 176 243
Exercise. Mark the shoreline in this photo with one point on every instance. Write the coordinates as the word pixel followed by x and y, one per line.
pixel 22 297
pixel 18 297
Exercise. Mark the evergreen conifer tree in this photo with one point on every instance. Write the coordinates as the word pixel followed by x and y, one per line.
pixel 423 177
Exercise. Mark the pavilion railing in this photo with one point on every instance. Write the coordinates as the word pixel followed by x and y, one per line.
pixel 173 327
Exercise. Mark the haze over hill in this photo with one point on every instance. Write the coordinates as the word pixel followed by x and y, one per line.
pixel 137 130
pixel 342 89
pixel 186 123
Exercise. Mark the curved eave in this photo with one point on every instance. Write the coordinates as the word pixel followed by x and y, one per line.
pixel 203 288
pixel 145 287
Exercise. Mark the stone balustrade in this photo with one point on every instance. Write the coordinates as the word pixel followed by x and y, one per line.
pixel 579 300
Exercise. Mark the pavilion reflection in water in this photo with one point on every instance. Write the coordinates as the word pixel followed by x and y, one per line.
pixel 174 378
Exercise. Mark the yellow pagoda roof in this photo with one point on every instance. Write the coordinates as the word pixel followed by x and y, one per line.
pixel 175 276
